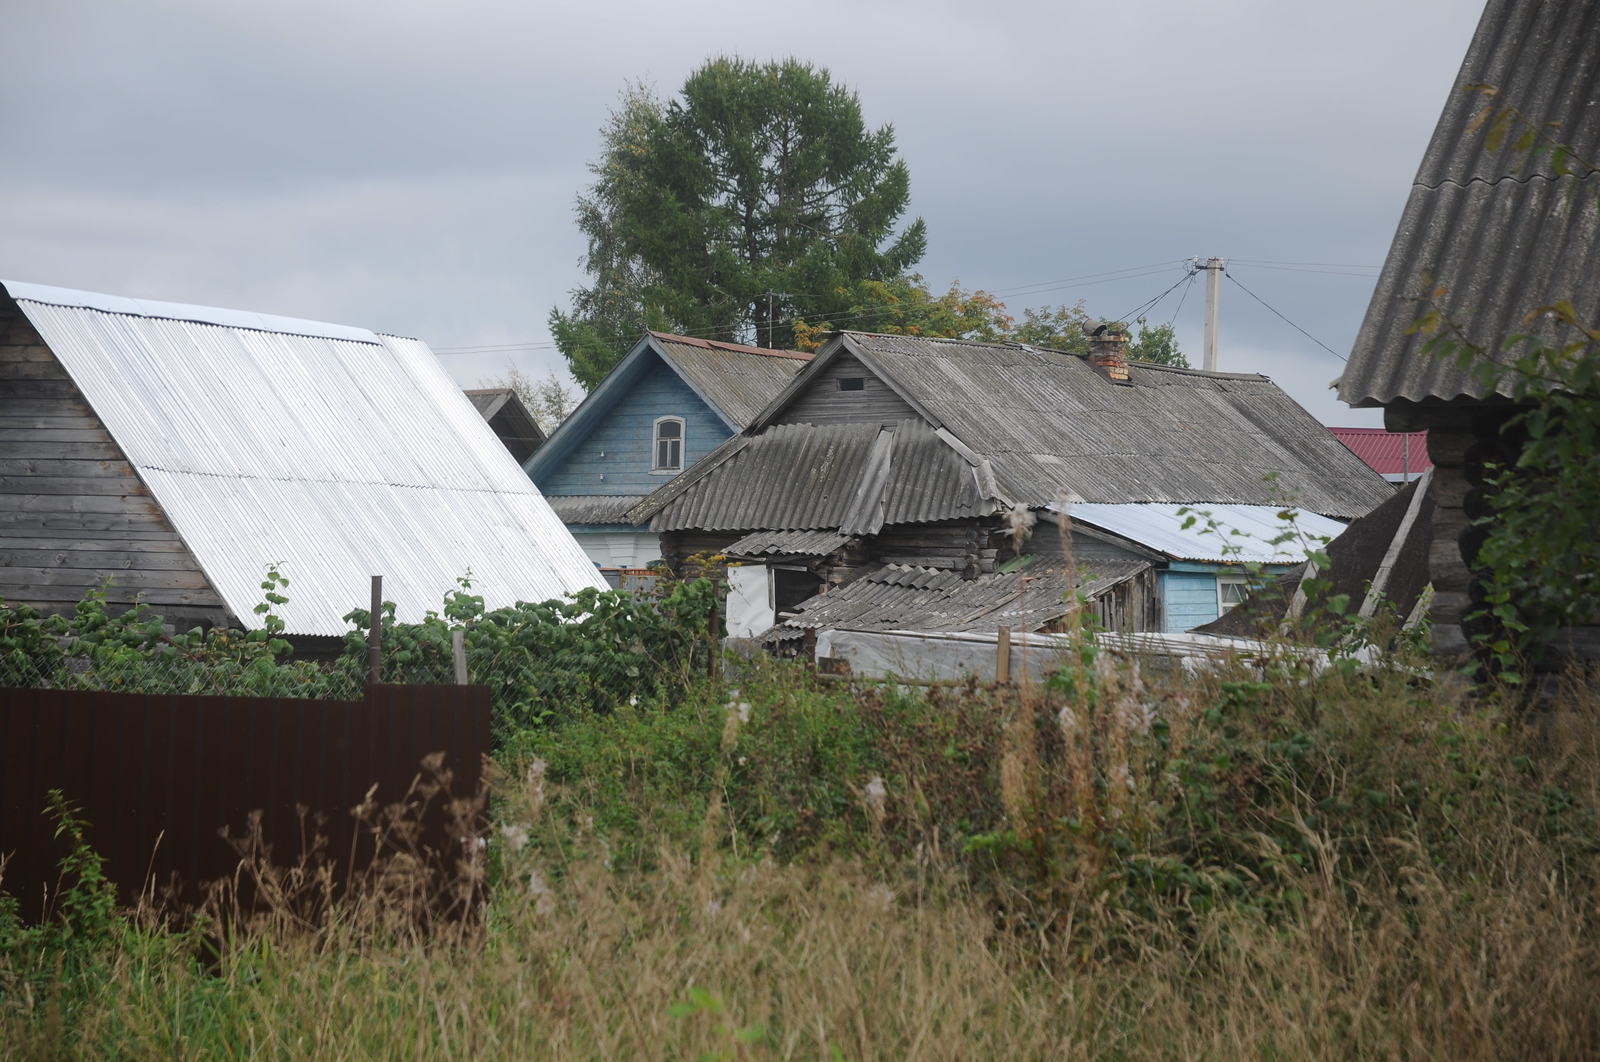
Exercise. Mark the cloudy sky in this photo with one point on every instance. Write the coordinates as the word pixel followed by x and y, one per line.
pixel 411 167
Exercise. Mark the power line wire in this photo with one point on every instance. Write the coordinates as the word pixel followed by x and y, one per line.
pixel 1192 274
pixel 1320 265
pixel 1284 319
pixel 837 317
pixel 1300 269
pixel 1150 304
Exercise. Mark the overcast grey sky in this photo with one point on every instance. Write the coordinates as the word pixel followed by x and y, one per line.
pixel 410 167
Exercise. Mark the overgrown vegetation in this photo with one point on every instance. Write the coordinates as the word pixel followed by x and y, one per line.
pixel 544 661
pixel 1268 861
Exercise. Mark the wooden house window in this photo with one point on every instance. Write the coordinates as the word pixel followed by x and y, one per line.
pixel 669 444
pixel 1231 590
pixel 852 383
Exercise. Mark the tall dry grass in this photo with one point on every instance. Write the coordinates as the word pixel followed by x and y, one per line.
pixel 1462 925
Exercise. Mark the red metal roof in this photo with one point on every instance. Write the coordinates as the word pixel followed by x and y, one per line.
pixel 1387 452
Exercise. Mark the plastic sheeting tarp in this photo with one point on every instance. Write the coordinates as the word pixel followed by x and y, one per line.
pixel 924 656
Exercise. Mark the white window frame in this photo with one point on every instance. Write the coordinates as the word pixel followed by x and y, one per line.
pixel 1231 579
pixel 656 468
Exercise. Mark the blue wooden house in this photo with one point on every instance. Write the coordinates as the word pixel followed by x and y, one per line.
pixel 667 404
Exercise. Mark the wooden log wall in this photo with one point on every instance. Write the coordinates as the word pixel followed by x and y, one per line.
pixel 1463 445
pixel 826 402
pixel 952 545
pixel 73 512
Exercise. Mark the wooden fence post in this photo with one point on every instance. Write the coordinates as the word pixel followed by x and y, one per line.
pixel 714 630
pixel 1002 657
pixel 375 637
pixel 458 643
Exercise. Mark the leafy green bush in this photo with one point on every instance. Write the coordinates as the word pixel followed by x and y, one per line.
pixel 544 662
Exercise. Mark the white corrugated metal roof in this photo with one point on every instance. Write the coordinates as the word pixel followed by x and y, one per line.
pixel 1242 534
pixel 337 452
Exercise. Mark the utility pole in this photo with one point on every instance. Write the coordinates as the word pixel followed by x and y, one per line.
pixel 1213 268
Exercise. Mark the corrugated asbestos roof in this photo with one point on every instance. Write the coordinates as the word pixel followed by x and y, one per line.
pixel 900 597
pixel 787 544
pixel 853 478
pixel 1388 453
pixel 1016 424
pixel 1055 429
pixel 737 381
pixel 336 452
pixel 1501 231
pixel 593 508
pixel 1239 534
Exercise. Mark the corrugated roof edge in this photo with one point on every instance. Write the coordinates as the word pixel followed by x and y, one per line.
pixel 177 311
pixel 712 344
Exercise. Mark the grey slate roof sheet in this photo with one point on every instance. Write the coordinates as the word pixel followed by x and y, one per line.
pixel 1055 429
pixel 898 597
pixel 851 477
pixel 739 381
pixel 593 508
pixel 1015 424
pixel 1500 231
pixel 787 543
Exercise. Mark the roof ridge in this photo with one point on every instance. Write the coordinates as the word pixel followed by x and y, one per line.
pixel 741 348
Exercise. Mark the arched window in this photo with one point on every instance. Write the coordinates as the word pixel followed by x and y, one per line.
pixel 669 444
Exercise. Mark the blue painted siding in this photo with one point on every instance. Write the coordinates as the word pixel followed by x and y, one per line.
pixel 1189 598
pixel 625 436
pixel 1189 592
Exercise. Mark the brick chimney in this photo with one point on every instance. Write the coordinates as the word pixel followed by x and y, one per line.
pixel 1108 352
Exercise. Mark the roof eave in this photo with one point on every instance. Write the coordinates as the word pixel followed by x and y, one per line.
pixel 572 431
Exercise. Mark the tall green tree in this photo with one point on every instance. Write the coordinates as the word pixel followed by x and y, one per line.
pixel 756 196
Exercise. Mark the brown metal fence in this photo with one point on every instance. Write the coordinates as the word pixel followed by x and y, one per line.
pixel 157 776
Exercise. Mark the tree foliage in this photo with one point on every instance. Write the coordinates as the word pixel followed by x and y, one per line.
pixel 549 398
pixel 905 306
pixel 756 196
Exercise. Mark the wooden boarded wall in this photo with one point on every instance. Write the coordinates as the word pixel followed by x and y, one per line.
pixel 73 511
pixel 824 402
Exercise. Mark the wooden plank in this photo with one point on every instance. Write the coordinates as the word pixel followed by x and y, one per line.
pixel 64 468
pixel 102 486
pixel 18 406
pixel 125 526
pixel 1380 580
pixel 41 449
pixel 68 430
pixel 18 369
pixel 41 389
pixel 139 503
pixel 70 594
pixel 101 560
pixel 136 541
pixel 35 578
pixel 26 350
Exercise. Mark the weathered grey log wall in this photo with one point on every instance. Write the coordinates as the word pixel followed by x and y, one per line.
pixel 827 402
pixel 73 512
